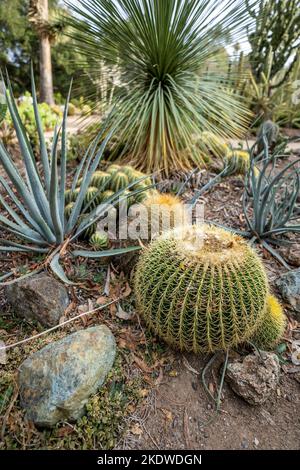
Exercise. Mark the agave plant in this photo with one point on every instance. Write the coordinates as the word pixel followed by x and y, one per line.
pixel 271 199
pixel 164 50
pixel 35 203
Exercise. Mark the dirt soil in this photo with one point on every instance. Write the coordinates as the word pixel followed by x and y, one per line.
pixel 173 410
pixel 182 415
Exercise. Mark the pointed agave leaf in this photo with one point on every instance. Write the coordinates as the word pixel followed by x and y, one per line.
pixel 34 180
pixel 58 270
pixel 43 147
pixel 63 161
pixel 17 279
pixel 91 166
pixel 106 253
pixel 20 206
pixel 22 229
pixel 22 190
pixel 54 193
pixel 10 244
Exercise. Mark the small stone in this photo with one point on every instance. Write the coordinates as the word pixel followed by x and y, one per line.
pixel 195 386
pixel 293 255
pixel 254 378
pixel 56 382
pixel 39 297
pixel 256 441
pixel 288 285
pixel 244 444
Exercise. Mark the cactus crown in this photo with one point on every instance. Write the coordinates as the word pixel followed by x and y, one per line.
pixel 201 290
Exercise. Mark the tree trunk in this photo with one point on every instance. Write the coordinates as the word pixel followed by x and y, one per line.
pixel 46 80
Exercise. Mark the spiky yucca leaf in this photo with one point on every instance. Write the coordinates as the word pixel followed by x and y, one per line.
pixel 201 289
pixel 162 49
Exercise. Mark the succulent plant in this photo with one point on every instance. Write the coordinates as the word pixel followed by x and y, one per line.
pixel 240 160
pixel 99 240
pixel 112 169
pixel 272 326
pixel 165 212
pixel 100 179
pixel 119 181
pixel 106 195
pixel 214 144
pixel 92 195
pixel 39 224
pixel 68 209
pixel 201 288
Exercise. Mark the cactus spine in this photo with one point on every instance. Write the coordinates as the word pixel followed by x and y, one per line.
pixel 203 291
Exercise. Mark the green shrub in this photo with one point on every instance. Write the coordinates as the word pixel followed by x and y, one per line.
pixel 50 117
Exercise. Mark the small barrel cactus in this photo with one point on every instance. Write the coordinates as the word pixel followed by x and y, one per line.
pixel 89 231
pixel 100 179
pixel 68 209
pixel 214 144
pixel 92 194
pixel 201 288
pixel 99 240
pixel 114 168
pixel 69 196
pixel 107 195
pixel 127 196
pixel 240 160
pixel 130 172
pixel 119 181
pixel 272 326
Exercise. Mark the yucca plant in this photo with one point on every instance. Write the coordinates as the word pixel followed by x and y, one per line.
pixel 35 205
pixel 163 49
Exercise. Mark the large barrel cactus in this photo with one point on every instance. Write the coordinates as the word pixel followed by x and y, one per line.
pixel 201 288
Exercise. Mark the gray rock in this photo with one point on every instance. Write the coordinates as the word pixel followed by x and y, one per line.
pixel 56 382
pixel 255 378
pixel 293 255
pixel 289 287
pixel 39 297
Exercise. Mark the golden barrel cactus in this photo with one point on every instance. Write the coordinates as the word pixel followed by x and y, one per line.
pixel 201 288
pixel 272 327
